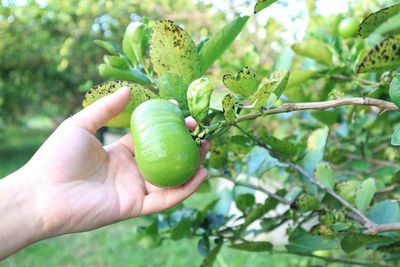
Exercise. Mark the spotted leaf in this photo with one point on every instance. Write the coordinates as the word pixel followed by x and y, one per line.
pixel 383 56
pixel 173 50
pixel 244 83
pixel 228 104
pixel 139 94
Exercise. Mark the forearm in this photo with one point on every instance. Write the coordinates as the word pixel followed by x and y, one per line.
pixel 20 224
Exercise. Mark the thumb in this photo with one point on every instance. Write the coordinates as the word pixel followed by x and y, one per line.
pixel 100 112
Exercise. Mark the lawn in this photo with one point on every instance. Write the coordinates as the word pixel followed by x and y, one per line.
pixel 115 245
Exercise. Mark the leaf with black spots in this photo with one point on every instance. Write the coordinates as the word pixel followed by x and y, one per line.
pixel 173 50
pixel 244 83
pixel 383 56
pixel 373 20
pixel 228 105
pixel 139 94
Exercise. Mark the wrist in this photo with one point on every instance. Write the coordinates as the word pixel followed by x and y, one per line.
pixel 20 224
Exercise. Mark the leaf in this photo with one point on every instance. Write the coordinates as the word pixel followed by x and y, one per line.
pixel 396 138
pixel 223 205
pixel 301 241
pixel 135 75
pixel 347 190
pixel 364 194
pixel 259 211
pixel 387 211
pixel 314 49
pixel 373 20
pixel 300 76
pixel 203 247
pixel 284 60
pixel 261 4
pixel 172 86
pixel 324 174
pixel 181 229
pixel 198 98
pixel 316 148
pixel 149 237
pixel 109 46
pixel 391 27
pixel 383 56
pixel 253 246
pixel 394 90
pixel 244 201
pixel 260 161
pixel 173 50
pixel 326 116
pixel 228 105
pixel 116 61
pixel 244 83
pixel 354 241
pixel 284 148
pixel 219 42
pixel 275 84
pixel 135 33
pixel 139 94
pixel 209 260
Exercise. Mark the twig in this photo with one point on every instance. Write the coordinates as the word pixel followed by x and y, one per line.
pixel 258 188
pixel 387 189
pixel 374 161
pixel 289 107
pixel 327 259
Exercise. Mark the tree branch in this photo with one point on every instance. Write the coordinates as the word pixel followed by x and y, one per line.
pixel 374 161
pixel 289 107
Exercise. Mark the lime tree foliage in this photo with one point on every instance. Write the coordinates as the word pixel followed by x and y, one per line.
pixel 310 143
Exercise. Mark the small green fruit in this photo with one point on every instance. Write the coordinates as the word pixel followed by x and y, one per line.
pixel 348 28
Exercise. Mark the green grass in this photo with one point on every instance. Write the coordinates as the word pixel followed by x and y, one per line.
pixel 115 245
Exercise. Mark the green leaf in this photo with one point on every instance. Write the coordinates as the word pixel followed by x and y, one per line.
pixel 259 211
pixel 260 161
pixel 244 201
pixel 383 56
pixel 203 247
pixel 324 174
pixel 209 260
pixel 391 248
pixel 253 246
pixel 135 33
pixel 391 27
pixel 261 4
pixel 316 148
pixel 316 50
pixel 373 20
pixel 307 203
pixel 387 211
pixel 275 84
pixel 347 190
pixel 219 42
pixel 300 241
pixel 198 98
pixel 300 76
pixel 284 148
pixel 354 241
pixel 181 229
pixel 244 83
pixel 109 46
pixel 396 138
pixel 139 94
pixel 364 194
pixel 173 50
pixel 394 90
pixel 116 61
pixel 172 86
pixel 228 105
pixel 149 237
pixel 135 75
pixel 284 60
pixel 326 116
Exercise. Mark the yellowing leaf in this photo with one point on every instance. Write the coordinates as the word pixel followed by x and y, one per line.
pixel 314 49
pixel 173 50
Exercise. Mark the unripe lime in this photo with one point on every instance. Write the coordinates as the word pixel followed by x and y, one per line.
pixel 348 28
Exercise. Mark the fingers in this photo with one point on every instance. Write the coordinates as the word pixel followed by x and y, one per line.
pixel 191 124
pixel 204 148
pixel 100 112
pixel 163 199
pixel 127 142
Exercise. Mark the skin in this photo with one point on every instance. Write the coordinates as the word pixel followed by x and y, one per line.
pixel 74 184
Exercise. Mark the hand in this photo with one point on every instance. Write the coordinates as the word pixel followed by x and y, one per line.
pixel 77 184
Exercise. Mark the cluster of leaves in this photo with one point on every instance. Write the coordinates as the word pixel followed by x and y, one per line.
pixel 346 151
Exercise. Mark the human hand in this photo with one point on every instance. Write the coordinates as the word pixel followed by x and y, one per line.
pixel 80 185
